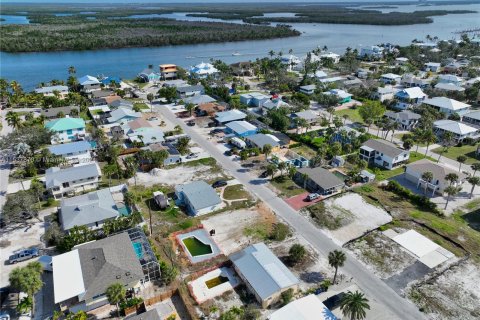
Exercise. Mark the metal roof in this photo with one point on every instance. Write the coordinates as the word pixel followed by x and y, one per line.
pixel 51 89
pixel 454 127
pixel 121 113
pixel 263 270
pixel 67 276
pixel 260 140
pixel 231 115
pixel 86 80
pixel 64 124
pixel 240 126
pixel 199 194
pixel 54 177
pixel 446 103
pixel 307 308
pixel 72 147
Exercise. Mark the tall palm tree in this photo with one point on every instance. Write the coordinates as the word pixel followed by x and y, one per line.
pixel 475 167
pixel 451 191
pixel 72 70
pixel 427 176
pixel 115 294
pixel 150 98
pixel 354 304
pixel 452 178
pixel 13 119
pixel 474 181
pixel 447 140
pixel 336 259
pixel 429 138
pixel 461 159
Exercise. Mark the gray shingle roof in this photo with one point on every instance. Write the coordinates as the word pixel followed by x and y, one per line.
pixel 322 177
pixel 87 208
pixel 53 112
pixel 54 177
pixel 403 115
pixel 121 113
pixel 200 194
pixel 108 261
pixel 263 270
pixel 384 147
pixel 439 172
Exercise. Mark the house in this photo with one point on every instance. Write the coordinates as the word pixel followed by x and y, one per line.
pixel 82 276
pixel 88 84
pixel 306 308
pixel 459 130
pixel 343 96
pixel 175 83
pixel 163 311
pixel 92 210
pixel 319 180
pixel 59 112
pixel 240 128
pixel 309 90
pixel 330 55
pixel 383 94
pixel 390 78
pixel 199 99
pixel 383 154
pixel 149 75
pixel 406 119
pixel 147 136
pixel 174 155
pixel 189 91
pixel 366 176
pixel 308 115
pixel 66 129
pixel 450 78
pixel 290 61
pixel 472 117
pixel 344 134
pixel 453 67
pixel 432 66
pixel 209 109
pixel 447 106
pixel 320 74
pixel 198 197
pixel 409 81
pixel 108 81
pixel 362 73
pixel 68 181
pixel 332 80
pixel 337 161
pixel 448 87
pixel 53 91
pixel 273 104
pixel 225 117
pixel 470 82
pixel 291 158
pixel 73 152
pixel 117 132
pixel 372 52
pixel 137 124
pixel 160 199
pixel 123 115
pixel 105 100
pixel 121 103
pixel 203 70
pixel 259 140
pixel 254 99
pixel 168 71
pixel 409 97
pixel 263 273
pixel 415 170
pixel 352 82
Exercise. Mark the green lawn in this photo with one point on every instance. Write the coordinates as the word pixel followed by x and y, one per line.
pixel 454 152
pixel 353 114
pixel 141 106
pixel 287 187
pixel 235 192
pixel 304 151
pixel 384 174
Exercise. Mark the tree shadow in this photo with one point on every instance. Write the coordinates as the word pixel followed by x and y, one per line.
pixel 312 277
pixel 472 219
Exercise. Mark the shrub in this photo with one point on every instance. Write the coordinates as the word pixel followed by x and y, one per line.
pixel 287 296
pixel 280 232
pixel 296 253
pixel 419 200
pixel 325 284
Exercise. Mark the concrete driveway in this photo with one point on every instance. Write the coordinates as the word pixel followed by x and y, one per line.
pixel 300 201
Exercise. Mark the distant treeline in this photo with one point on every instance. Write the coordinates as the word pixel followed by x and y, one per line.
pixel 77 33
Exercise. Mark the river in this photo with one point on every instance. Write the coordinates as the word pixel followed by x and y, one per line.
pixel 32 68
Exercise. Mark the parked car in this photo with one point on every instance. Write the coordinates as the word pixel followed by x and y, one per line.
pixel 264 174
pixel 313 196
pixel 152 119
pixel 23 255
pixel 228 153
pixel 46 262
pixel 219 183
pixel 190 123
pixel 192 156
pixel 215 131
pixel 212 124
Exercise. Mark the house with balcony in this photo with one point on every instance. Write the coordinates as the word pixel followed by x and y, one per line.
pixel 383 154
pixel 73 152
pixel 89 83
pixel 409 97
pixel 371 52
pixel 432 66
pixel 460 130
pixel 448 106
pixel 149 75
pixel 384 93
pixel 70 181
pixel 168 71
pixel 409 81
pixel 66 130
pixel 407 120
pixel 203 70
pixel 390 78
pixel 189 91
pixel 472 118
pixel 308 90
pixel 254 99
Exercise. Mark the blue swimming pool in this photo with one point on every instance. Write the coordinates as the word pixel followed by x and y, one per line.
pixel 137 247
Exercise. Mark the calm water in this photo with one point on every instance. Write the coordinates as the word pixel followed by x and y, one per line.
pixel 31 68
pixel 14 19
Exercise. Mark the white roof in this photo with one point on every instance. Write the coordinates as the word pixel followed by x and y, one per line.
pixel 446 103
pixel 454 126
pixel 391 76
pixel 306 308
pixel 67 276
pixel 416 243
pixel 414 92
pixel 88 80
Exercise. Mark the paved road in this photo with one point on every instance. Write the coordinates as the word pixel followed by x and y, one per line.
pixel 373 287
pixel 4 167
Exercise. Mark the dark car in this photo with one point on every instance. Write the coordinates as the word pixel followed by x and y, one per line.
pixel 228 153
pixel 215 131
pixel 23 255
pixel 212 124
pixel 264 174
pixel 219 183
pixel 190 123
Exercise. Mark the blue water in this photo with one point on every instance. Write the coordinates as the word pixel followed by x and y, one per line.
pixel 14 19
pixel 32 68
pixel 124 211
pixel 137 247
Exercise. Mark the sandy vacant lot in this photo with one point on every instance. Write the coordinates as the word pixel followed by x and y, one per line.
pixel 455 294
pixel 362 217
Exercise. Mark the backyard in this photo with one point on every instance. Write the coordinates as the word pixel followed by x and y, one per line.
pixel 353 114
pixel 465 150
pixel 304 151
pixel 286 187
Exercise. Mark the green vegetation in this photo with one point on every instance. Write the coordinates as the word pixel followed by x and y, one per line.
pixel 286 186
pixel 196 247
pixel 454 152
pixel 324 218
pixel 235 192
pixel 304 151
pixel 353 114
pixel 27 279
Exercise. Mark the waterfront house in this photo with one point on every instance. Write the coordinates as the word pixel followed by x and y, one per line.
pixel 319 180
pixel 309 89
pixel 309 307
pixel 406 119
pixel 330 55
pixel 108 81
pixel 263 273
pixel 69 181
pixel 241 128
pixel 259 140
pixel 198 198
pixel 390 78
pixel 66 129
pixel 415 170
pixel 149 75
pixel 89 83
pixel 459 130
pixel 383 93
pixel 290 61
pixel 371 52
pixel 203 70
pixel 92 210
pixel 73 152
pixel 383 154
pixel 168 71
pixel 225 117
pixel 409 97
pixel 343 96
pixel 53 91
pixel 432 66
pixel 82 276
pixel 448 106
pixel 189 91
pixel 123 115
pixel 59 112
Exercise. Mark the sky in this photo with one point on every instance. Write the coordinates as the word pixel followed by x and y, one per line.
pixel 203 1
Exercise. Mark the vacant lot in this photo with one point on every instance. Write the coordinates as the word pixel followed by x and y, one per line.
pixel 352 114
pixel 286 187
pixel 454 152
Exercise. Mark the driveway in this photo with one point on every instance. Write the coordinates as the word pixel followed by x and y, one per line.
pixel 300 201
pixel 374 288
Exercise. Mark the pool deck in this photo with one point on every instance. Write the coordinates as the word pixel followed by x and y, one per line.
pixel 202 293
pixel 202 235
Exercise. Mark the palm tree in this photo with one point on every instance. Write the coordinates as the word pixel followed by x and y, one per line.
pixel 427 176
pixel 447 140
pixel 271 170
pixel 475 167
pixel 345 118
pixel 474 181
pixel 282 166
pixel 109 170
pixel 71 70
pixel 331 111
pixel 115 294
pixel 451 177
pixel 354 304
pixel 150 98
pixel 267 149
pixel 336 259
pixel 189 107
pixel 461 159
pixel 429 138
pixel 13 119
pixel 451 191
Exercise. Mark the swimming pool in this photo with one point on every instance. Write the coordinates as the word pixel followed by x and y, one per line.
pixel 123 210
pixel 340 175
pixel 137 247
pixel 196 247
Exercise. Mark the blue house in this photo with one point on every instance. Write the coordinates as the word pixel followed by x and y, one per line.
pixel 106 81
pixel 254 99
pixel 149 75
pixel 240 128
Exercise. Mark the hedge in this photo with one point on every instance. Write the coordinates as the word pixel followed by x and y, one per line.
pixel 419 200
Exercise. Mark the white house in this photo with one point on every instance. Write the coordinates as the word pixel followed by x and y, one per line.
pixel 407 119
pixel 432 66
pixel 472 117
pixel 409 97
pixel 72 180
pixel 309 89
pixel 372 52
pixel 306 308
pixel 450 78
pixel 203 70
pixel 383 94
pixel 290 61
pixel 383 154
pixel 89 83
pixel 448 106
pixel 449 87
pixel 52 91
pixel 409 80
pixel 74 152
pixel 66 129
pixel 459 130
pixel 330 55
pixel 390 78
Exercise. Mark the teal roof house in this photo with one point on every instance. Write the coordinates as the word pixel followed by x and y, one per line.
pixel 66 130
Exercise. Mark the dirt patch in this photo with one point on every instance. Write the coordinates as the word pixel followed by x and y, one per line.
pixel 452 295
pixel 380 254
